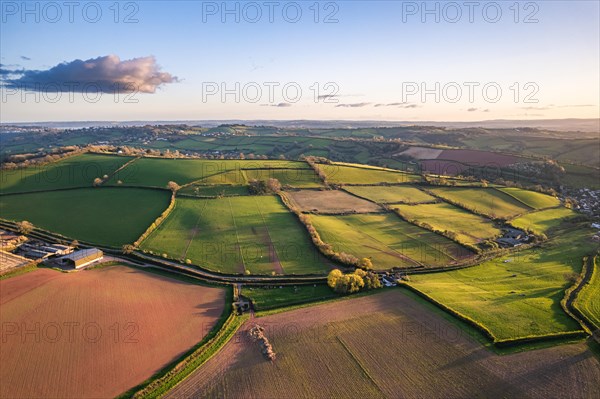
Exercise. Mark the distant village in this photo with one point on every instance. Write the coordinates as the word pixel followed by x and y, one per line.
pixel 584 200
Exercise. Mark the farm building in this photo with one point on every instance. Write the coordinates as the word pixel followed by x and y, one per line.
pixel 81 258
pixel 43 250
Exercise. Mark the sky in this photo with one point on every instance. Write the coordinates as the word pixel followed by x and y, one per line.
pixel 329 60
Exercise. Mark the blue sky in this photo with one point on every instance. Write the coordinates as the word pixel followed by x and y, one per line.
pixel 378 58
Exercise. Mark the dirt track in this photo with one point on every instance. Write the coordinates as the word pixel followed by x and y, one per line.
pixel 386 345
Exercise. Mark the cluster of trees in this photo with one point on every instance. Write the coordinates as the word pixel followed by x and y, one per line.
pixel 260 187
pixel 257 333
pixel 40 158
pixel 349 283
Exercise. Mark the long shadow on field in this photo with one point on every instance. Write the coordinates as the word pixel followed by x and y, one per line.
pixel 556 370
pixel 214 307
pixel 473 357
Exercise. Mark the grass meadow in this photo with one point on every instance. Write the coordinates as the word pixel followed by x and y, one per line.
pixel 250 234
pixel 103 216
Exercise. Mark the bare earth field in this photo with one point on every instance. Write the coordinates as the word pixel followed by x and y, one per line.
pixel 385 345
pixel 422 152
pixel 476 157
pixel 96 333
pixel 331 201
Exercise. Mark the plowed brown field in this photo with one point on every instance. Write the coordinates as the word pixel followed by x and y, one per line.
pixel 385 345
pixel 96 333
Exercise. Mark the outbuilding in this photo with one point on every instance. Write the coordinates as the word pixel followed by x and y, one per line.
pixel 81 258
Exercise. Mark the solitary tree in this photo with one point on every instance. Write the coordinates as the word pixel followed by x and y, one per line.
pixel 25 227
pixel 128 248
pixel 173 186
pixel 274 185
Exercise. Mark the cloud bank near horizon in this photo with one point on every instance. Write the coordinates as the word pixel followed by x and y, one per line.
pixel 107 74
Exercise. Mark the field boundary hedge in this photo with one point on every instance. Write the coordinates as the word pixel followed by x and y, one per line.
pixel 126 164
pixel 569 302
pixel 475 211
pixel 323 247
pixel 428 227
pixel 204 352
pixel 528 206
pixel 157 222
pixel 500 343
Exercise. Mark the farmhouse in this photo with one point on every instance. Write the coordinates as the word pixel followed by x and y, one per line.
pixel 82 258
pixel 512 237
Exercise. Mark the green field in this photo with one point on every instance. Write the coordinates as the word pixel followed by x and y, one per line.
pixel 301 178
pixel 76 171
pixel 280 296
pixel 103 216
pixel 470 228
pixel 487 201
pixel 542 222
pixel 214 191
pixel 255 234
pixel 341 174
pixel 588 299
pixel 387 240
pixel 232 177
pixel 532 199
pixel 157 172
pixel 517 295
pixel 391 194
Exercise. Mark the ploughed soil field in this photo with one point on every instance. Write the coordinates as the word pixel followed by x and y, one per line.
pixel 96 333
pixel 385 345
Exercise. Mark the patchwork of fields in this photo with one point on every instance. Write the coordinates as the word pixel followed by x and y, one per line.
pixel 107 329
pixel 390 217
pixel 251 234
